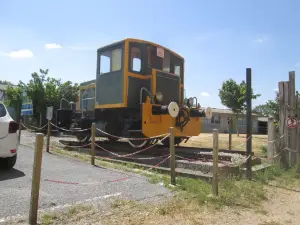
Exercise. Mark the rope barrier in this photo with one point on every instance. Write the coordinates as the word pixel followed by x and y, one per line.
pixel 81 130
pixel 130 154
pixel 132 139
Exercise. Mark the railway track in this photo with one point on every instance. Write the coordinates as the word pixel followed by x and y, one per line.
pixel 190 161
pixel 190 153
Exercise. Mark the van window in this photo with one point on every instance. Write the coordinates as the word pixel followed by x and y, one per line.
pixel 2 110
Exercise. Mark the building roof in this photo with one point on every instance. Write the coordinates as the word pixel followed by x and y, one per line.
pixel 228 111
pixel 3 87
pixel 262 119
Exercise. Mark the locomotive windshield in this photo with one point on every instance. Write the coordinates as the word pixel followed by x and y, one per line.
pixel 162 59
pixel 111 61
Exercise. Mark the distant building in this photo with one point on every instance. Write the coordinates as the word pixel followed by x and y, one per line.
pixel 219 121
pixel 262 125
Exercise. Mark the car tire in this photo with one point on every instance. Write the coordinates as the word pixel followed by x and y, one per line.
pixel 8 163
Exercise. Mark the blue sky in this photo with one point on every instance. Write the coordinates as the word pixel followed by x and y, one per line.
pixel 218 39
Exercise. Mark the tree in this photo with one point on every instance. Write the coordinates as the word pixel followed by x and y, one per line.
pixel 270 108
pixel 15 98
pixel 69 91
pixel 45 91
pixel 233 96
pixel 5 82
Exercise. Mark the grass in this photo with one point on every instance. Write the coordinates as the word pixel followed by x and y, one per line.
pixel 192 203
pixel 204 140
pixel 74 213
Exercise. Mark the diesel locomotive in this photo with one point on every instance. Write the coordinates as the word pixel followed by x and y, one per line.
pixel 138 92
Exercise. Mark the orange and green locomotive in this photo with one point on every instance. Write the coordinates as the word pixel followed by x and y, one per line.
pixel 138 91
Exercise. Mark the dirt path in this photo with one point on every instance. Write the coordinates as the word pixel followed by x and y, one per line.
pixel 283 207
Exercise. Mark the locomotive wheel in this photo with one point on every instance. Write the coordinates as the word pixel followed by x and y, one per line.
pixel 166 141
pixel 83 137
pixel 139 143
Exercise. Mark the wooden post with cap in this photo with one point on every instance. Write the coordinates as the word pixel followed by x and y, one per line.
pixel 172 156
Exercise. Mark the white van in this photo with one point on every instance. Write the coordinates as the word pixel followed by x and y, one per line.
pixel 8 139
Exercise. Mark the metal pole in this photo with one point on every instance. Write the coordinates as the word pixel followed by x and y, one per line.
pixel 93 144
pixel 20 129
pixel 230 132
pixel 249 122
pixel 215 162
pixel 172 156
pixel 36 177
pixel 48 135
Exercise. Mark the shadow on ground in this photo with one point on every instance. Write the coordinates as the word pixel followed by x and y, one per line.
pixel 10 174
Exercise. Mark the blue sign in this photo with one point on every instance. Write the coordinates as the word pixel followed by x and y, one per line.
pixel 27 112
pixel 27 109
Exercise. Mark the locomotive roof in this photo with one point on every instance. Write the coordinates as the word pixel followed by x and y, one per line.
pixel 137 40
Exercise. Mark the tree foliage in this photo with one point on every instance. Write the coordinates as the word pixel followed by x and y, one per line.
pixel 270 108
pixel 14 99
pixel 5 82
pixel 233 96
pixel 43 91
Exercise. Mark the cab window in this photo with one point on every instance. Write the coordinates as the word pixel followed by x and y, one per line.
pixel 110 61
pixel 2 110
pixel 167 62
pixel 136 59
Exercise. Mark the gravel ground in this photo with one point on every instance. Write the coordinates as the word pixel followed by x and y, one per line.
pixel 83 182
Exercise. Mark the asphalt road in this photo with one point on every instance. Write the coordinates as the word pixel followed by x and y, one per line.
pixel 67 181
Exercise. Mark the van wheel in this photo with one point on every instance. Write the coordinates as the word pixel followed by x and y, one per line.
pixel 8 163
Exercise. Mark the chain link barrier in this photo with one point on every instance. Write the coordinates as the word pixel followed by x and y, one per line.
pixel 131 139
pixel 66 130
pixel 130 154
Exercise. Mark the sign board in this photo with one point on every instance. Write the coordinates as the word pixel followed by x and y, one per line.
pixel 49 112
pixel 160 52
pixel 292 122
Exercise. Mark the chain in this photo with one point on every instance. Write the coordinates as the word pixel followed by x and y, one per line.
pixel 289 107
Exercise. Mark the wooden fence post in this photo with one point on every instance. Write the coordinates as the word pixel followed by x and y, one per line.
pixel 36 177
pixel 215 162
pixel 93 144
pixel 271 138
pixel 298 133
pixel 48 135
pixel 283 90
pixel 172 156
pixel 292 112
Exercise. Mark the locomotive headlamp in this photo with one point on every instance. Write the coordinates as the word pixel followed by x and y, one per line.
pixel 190 102
pixel 173 109
pixel 159 96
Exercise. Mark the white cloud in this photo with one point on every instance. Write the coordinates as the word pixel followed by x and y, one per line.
pixel 275 89
pixel 205 94
pixel 21 54
pixel 52 46
pixel 261 39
